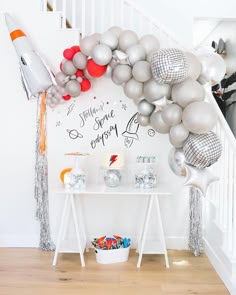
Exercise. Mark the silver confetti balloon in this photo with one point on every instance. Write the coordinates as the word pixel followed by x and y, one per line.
pixel 135 53
pixel 145 108
pixel 187 92
pixel 110 39
pixel 80 60
pixel 101 54
pixel 176 160
pixel 142 71
pixel 199 117
pixel 112 177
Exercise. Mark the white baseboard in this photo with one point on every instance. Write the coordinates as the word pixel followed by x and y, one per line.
pixel 220 268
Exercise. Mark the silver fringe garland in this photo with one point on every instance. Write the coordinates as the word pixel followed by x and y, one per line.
pixel 195 226
pixel 41 190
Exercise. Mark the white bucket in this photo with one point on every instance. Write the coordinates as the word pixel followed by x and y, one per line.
pixel 112 256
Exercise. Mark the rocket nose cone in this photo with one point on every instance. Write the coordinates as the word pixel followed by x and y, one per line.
pixel 12 26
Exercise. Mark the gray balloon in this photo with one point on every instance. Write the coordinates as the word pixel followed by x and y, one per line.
pixel 87 44
pixel 116 30
pixel 60 78
pixel 127 38
pixel 194 66
pixel 108 72
pixel 158 124
pixel 199 117
pixel 101 54
pixel 145 108
pixel 149 43
pixel 143 120
pixel 153 90
pixel 187 92
pixel 68 68
pixel 178 133
pixel 149 55
pixel 73 88
pixel 176 160
pixel 122 73
pixel 133 89
pixel 142 71
pixel 172 114
pixel 110 39
pixel 176 143
pixel 96 37
pixel 135 53
pixel 80 60
pixel 61 90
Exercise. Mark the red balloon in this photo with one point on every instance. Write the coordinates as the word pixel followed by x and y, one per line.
pixel 68 53
pixel 79 73
pixel 66 97
pixel 61 66
pixel 85 85
pixel 95 70
pixel 75 48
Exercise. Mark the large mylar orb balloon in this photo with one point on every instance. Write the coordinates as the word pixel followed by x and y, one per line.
pixel 176 161
pixel 202 150
pixel 169 66
pixel 213 67
pixel 199 117
pixel 187 92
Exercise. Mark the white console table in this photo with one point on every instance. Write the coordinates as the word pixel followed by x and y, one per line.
pixel 69 205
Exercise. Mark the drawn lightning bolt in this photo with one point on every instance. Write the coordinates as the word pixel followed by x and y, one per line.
pixel 113 159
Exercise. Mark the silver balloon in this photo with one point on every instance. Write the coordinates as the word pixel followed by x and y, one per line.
pixel 149 43
pixel 101 54
pixel 153 90
pixel 108 72
pixel 172 114
pixel 169 66
pixel 60 78
pixel 176 143
pixel 112 178
pixel 80 60
pixel 158 124
pixel 61 90
pixel 88 43
pixel 142 71
pixel 110 39
pixel 213 67
pixel 135 53
pixel 187 92
pixel 202 150
pixel 194 66
pixel 176 160
pixel 127 38
pixel 122 74
pixel 116 30
pixel 73 88
pixel 199 117
pixel 133 89
pixel 199 178
pixel 149 55
pixel 68 68
pixel 87 75
pixel 143 120
pixel 145 108
pixel 178 133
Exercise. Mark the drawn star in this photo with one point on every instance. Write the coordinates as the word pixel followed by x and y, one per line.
pixel 199 178
pixel 124 106
pixel 58 123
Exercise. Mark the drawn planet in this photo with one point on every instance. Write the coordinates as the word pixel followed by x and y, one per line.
pixel 151 132
pixel 74 133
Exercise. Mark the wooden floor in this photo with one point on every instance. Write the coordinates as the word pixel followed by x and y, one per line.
pixel 30 272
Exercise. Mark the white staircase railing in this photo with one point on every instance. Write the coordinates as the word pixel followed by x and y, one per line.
pixel 222 194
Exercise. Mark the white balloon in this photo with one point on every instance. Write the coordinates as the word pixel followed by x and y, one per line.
pixel 213 67
pixel 194 65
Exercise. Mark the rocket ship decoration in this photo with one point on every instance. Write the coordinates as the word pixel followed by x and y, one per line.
pixel 36 77
pixel 131 131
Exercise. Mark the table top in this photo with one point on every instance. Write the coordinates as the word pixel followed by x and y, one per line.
pixel 120 190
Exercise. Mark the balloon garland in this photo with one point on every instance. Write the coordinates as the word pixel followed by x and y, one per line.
pixel 165 84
